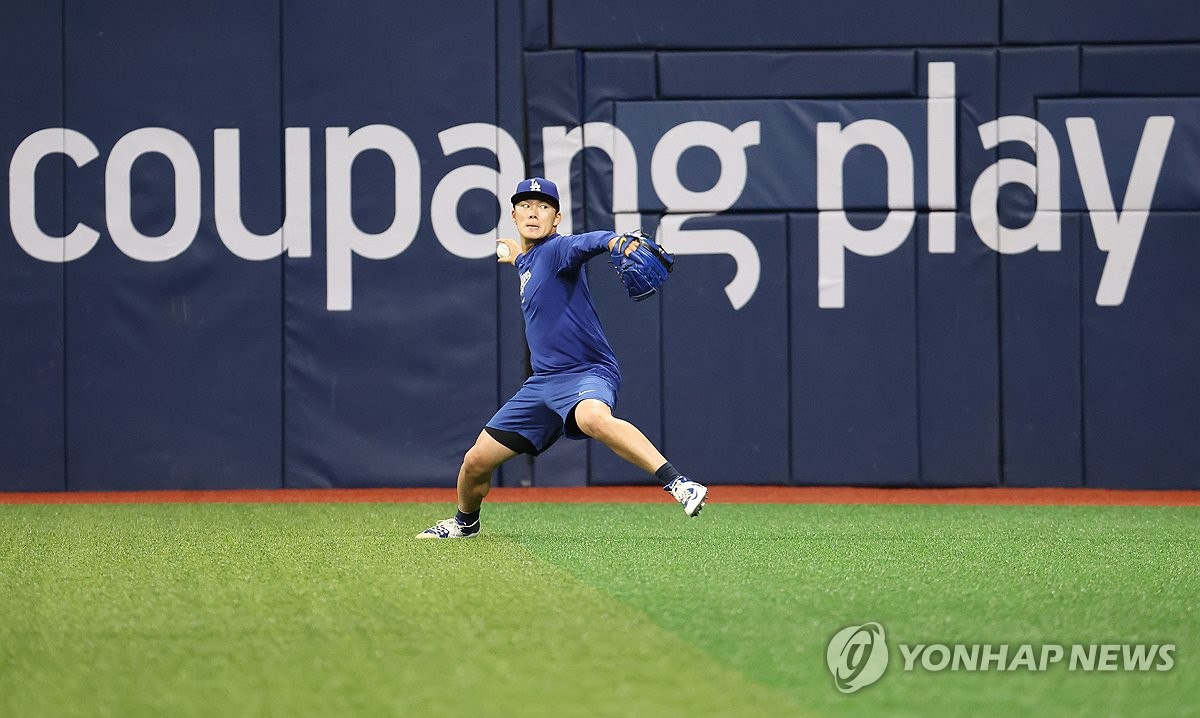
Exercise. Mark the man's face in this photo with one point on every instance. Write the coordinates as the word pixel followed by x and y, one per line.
pixel 536 219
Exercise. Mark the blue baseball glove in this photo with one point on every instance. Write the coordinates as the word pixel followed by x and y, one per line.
pixel 645 269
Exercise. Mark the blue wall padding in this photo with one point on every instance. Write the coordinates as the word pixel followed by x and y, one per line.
pixel 31 292
pixel 553 98
pixel 553 94
pixel 756 75
pixel 950 364
pixel 865 171
pixel 1076 21
pixel 634 330
pixel 958 362
pixel 1140 71
pixel 782 167
pixel 511 362
pixel 975 94
pixel 725 371
pixel 535 23
pixel 612 76
pixel 1120 124
pixel 854 373
pixel 173 368
pixel 607 79
pixel 1027 74
pixel 1141 386
pixel 1040 364
pixel 394 391
pixel 564 464
pixel 760 23
pixel 646 122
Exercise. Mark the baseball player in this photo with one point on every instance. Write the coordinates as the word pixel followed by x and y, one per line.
pixel 575 374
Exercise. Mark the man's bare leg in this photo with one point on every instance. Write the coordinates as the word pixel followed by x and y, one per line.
pixel 595 419
pixel 475 474
pixel 474 482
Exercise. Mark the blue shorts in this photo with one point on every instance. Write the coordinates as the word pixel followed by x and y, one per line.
pixel 539 410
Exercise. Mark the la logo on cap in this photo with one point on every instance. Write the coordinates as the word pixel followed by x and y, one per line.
pixel 534 186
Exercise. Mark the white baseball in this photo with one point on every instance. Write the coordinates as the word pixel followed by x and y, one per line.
pixel 502 250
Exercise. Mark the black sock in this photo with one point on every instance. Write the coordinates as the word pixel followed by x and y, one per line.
pixel 667 473
pixel 467 519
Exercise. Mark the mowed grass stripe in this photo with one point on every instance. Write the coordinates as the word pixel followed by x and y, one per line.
pixel 322 610
pixel 763 588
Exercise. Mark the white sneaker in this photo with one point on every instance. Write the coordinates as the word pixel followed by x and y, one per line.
pixel 689 493
pixel 450 529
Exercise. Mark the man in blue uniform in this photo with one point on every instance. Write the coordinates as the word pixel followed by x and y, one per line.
pixel 575 374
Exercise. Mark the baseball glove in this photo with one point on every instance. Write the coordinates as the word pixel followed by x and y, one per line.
pixel 645 269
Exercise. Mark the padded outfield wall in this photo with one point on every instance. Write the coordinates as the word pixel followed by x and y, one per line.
pixel 248 244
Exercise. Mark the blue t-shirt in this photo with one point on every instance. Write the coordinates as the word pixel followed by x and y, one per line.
pixel 561 324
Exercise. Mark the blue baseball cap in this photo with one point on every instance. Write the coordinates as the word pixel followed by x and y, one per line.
pixel 538 187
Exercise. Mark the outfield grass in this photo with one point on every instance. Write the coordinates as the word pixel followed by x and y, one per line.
pixel 577 609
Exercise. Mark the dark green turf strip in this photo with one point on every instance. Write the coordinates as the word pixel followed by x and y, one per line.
pixel 763 588
pixel 324 610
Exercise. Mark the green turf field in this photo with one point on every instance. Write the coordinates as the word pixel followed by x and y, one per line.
pixel 580 610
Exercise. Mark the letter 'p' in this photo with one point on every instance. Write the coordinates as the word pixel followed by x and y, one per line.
pixel 836 233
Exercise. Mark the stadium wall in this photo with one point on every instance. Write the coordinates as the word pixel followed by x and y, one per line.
pixel 935 243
